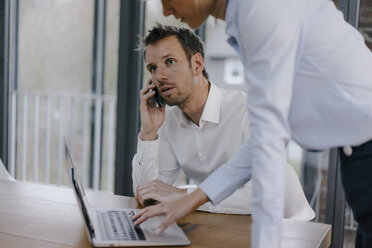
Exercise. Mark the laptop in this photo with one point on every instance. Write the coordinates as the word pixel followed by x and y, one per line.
pixel 114 227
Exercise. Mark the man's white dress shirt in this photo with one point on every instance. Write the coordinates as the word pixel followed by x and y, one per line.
pixel 200 150
pixel 309 77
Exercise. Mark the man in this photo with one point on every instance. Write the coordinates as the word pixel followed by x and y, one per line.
pixel 201 131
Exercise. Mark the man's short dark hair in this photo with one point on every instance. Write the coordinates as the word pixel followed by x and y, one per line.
pixel 189 41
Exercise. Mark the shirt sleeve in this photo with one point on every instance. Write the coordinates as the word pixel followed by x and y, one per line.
pixel 144 166
pixel 237 203
pixel 268 37
pixel 154 160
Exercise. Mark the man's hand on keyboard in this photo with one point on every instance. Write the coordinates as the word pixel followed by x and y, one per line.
pixel 158 191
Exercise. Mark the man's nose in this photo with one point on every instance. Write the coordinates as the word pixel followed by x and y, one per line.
pixel 161 74
pixel 167 9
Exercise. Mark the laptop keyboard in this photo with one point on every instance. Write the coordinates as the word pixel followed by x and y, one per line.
pixel 118 225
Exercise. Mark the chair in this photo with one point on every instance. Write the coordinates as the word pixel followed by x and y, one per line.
pixel 296 205
pixel 4 174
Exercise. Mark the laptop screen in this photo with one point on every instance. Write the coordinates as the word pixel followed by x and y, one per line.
pixel 79 192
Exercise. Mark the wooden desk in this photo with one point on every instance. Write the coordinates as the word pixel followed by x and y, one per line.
pixel 34 215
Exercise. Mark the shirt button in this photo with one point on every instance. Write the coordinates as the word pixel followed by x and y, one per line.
pixel 347 150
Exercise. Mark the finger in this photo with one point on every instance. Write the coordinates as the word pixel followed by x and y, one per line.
pixel 137 198
pixel 136 194
pixel 156 182
pixel 148 100
pixel 138 214
pixel 140 200
pixel 140 220
pixel 140 217
pixel 141 214
pixel 147 94
pixel 147 87
pixel 148 213
pixel 149 82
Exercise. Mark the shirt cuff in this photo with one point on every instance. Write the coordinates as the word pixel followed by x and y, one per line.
pixel 147 150
pixel 216 187
pixel 189 188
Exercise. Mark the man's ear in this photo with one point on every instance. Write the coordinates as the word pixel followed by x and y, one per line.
pixel 197 63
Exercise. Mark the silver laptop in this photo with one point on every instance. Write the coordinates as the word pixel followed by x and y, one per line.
pixel 114 227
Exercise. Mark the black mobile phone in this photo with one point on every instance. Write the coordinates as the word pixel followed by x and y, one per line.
pixel 158 99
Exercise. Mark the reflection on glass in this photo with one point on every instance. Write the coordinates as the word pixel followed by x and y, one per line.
pixel 112 46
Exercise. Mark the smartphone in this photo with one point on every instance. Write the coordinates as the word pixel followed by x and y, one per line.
pixel 158 99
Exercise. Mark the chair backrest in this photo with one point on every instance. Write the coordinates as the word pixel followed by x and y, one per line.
pixel 296 205
pixel 4 174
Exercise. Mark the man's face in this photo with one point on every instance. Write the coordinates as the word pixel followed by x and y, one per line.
pixel 170 70
pixel 192 12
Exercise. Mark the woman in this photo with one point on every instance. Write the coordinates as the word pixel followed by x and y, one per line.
pixel 309 78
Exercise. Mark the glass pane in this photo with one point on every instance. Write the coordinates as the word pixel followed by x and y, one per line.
pixel 112 46
pixel 54 71
pixel 110 92
pixel 54 97
pixel 55 53
pixel 365 21
pixel 314 176
pixel 222 63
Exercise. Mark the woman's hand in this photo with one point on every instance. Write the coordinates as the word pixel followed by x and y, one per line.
pixel 173 211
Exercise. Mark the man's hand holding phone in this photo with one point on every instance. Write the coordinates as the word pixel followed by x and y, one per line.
pixel 152 112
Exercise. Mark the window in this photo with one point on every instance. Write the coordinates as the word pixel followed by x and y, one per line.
pixel 234 71
pixel 65 86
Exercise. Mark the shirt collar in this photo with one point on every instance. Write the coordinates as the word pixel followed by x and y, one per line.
pixel 230 18
pixel 211 111
pixel 232 26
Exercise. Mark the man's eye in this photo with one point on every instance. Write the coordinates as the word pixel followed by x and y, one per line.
pixel 152 68
pixel 170 61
